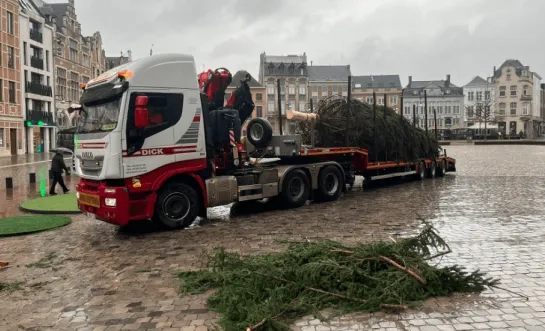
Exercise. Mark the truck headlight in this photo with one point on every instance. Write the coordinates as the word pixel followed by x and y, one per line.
pixel 110 202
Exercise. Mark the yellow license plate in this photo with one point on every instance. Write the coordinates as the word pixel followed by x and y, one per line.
pixel 89 200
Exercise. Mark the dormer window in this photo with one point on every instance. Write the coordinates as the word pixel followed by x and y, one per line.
pixel 291 69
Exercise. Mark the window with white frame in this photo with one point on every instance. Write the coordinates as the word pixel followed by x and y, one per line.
pixel 470 112
pixel 270 107
pixel 513 90
pixel 513 107
pixel 487 95
pixel 525 108
pixel 479 95
pixel 324 89
pixel 502 91
pixel 470 96
pixel 270 89
pixel 380 101
pixel 291 89
pixel 369 100
pixel 314 88
pixel 302 106
pixel 393 100
pixel 502 108
pixel 302 90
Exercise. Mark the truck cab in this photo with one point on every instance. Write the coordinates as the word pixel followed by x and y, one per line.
pixel 140 123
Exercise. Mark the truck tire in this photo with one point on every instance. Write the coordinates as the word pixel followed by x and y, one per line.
pixel 442 168
pixel 421 174
pixel 177 206
pixel 330 184
pixel 295 189
pixel 432 170
pixel 259 132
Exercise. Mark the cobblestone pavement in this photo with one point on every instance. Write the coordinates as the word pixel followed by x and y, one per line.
pixel 90 276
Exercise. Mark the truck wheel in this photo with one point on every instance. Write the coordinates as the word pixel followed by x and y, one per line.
pixel 295 189
pixel 177 206
pixel 442 168
pixel 421 170
pixel 330 184
pixel 432 169
pixel 259 132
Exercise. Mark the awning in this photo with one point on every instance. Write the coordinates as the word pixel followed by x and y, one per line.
pixel 478 126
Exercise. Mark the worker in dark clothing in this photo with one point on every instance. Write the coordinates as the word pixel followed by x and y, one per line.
pixel 57 166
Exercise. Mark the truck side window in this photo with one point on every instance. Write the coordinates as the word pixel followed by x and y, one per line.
pixel 164 111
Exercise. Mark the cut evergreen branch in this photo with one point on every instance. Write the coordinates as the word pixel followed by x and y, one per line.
pixel 271 291
pixel 396 138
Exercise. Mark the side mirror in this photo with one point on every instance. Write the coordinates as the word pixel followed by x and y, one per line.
pixel 141 112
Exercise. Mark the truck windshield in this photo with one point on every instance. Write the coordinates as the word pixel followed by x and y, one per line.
pixel 99 118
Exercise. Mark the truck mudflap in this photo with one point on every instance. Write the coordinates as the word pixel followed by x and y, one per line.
pixel 108 204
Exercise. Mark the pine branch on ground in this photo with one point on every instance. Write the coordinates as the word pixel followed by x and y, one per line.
pixel 271 291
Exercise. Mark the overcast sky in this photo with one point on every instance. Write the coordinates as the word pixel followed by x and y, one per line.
pixel 427 39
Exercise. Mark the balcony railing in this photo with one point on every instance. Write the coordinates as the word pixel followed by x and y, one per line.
pixel 526 97
pixel 37 62
pixel 40 89
pixel 36 35
pixel 40 116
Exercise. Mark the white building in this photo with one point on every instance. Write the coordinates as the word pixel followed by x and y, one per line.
pixel 479 101
pixel 446 98
pixel 36 38
pixel 518 99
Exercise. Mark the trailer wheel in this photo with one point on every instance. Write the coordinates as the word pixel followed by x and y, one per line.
pixel 295 189
pixel 177 206
pixel 421 170
pixel 432 169
pixel 442 168
pixel 330 184
pixel 259 132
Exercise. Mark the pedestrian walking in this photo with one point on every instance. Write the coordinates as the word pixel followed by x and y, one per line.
pixel 57 166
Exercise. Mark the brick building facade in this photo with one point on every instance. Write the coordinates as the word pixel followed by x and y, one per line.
pixel 11 120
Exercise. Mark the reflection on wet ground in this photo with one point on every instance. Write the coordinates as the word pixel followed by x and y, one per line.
pixel 490 212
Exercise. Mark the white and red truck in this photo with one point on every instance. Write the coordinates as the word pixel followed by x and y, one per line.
pixel 156 143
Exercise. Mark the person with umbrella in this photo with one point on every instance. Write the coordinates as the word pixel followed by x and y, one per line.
pixel 57 166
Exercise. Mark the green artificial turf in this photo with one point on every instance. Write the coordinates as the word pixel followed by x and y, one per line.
pixel 62 203
pixel 28 224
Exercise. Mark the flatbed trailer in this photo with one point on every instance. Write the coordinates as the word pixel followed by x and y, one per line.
pixel 356 162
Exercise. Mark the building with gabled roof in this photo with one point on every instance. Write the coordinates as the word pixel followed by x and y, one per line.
pixel 326 80
pixel 442 95
pixel 389 85
pixel 518 99
pixel 479 101
pixel 292 72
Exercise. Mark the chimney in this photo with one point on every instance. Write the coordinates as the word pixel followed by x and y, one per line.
pixel 410 81
pixel 448 81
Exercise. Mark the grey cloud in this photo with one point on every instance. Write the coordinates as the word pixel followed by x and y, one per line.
pixel 423 38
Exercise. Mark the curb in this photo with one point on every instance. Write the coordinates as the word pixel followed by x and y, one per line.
pixel 48 212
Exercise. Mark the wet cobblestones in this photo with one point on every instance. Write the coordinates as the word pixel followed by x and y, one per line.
pixel 94 277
